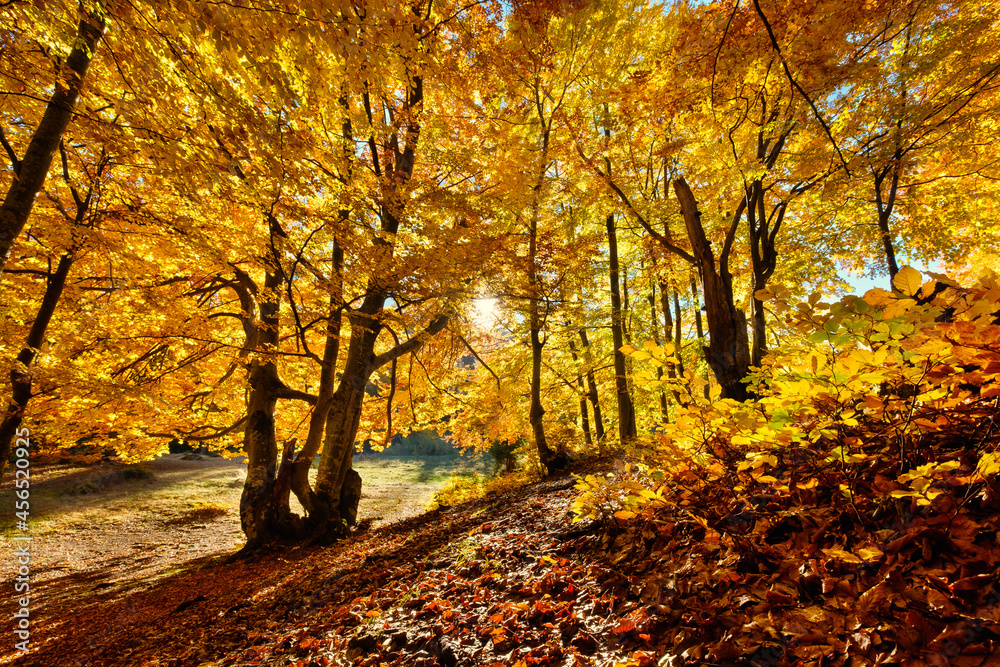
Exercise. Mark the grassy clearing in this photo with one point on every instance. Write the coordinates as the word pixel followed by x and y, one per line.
pixel 68 498
pixel 402 486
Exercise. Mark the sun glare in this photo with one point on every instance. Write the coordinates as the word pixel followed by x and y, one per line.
pixel 486 312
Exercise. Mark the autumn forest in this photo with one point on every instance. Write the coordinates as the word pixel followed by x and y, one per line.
pixel 740 253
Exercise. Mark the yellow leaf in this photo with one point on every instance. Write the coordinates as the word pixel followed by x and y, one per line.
pixel 989 464
pixel 840 554
pixel 908 281
pixel 870 553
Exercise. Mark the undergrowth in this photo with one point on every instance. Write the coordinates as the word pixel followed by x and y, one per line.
pixel 850 511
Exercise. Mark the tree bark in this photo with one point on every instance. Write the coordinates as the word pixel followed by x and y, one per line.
pixel 31 170
pixel 674 371
pixel 728 351
pixel 626 410
pixel 884 205
pixel 338 486
pixel 762 230
pixel 699 327
pixel 536 412
pixel 20 375
pixel 257 508
pixel 329 517
pixel 678 340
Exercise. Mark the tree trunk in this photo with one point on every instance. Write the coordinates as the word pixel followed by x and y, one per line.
pixel 20 374
pixel 31 170
pixel 884 205
pixel 327 382
pixel 338 485
pixel 592 396
pixel 664 412
pixel 536 412
pixel 257 508
pixel 699 327
pixel 329 518
pixel 678 340
pixel 581 390
pixel 762 232
pixel 626 411
pixel 627 335
pixel 674 371
pixel 728 351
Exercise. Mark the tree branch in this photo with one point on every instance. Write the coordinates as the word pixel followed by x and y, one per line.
pixel 15 162
pixel 200 438
pixel 795 84
pixel 284 391
pixel 478 358
pixel 680 252
pixel 413 344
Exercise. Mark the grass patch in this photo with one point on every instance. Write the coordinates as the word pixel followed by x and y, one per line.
pixel 199 513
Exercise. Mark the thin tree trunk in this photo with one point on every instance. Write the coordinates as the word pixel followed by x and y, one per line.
pixel 664 412
pixel 674 371
pixel 884 206
pixel 536 412
pixel 584 418
pixel 763 230
pixel 31 170
pixel 342 422
pixel 627 334
pixel 678 341
pixel 257 508
pixel 338 485
pixel 895 169
pixel 333 509
pixel 626 411
pixel 698 326
pixel 20 374
pixel 592 395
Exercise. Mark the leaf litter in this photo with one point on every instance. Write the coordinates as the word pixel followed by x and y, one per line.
pixel 511 580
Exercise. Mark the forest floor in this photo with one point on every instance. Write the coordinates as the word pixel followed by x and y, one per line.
pixel 306 605
pixel 511 580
